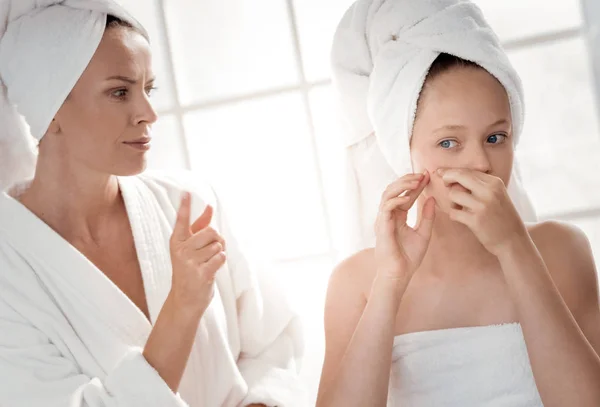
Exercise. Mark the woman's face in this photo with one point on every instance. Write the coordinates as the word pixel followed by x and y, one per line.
pixel 105 122
pixel 463 121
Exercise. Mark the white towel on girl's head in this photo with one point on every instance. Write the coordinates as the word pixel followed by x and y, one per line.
pixel 35 34
pixel 382 52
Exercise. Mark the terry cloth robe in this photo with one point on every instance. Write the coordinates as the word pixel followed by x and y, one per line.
pixel 70 337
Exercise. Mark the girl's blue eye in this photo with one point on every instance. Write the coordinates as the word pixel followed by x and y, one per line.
pixel 150 90
pixel 446 144
pixel 496 138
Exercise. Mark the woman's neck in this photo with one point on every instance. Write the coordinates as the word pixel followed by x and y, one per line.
pixel 454 250
pixel 74 200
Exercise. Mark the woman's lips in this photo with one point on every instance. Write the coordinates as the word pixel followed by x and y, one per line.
pixel 142 144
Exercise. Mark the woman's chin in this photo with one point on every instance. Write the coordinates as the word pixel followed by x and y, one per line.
pixel 133 167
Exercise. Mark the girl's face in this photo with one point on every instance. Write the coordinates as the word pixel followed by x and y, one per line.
pixel 463 121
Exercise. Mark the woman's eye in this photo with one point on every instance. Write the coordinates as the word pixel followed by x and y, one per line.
pixel 150 90
pixel 120 93
pixel 496 138
pixel 447 144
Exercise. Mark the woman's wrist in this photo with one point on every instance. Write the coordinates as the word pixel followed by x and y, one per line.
pixel 180 312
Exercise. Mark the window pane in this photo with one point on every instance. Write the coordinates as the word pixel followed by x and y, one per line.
pixel 560 145
pixel 560 105
pixel 513 19
pixel 562 179
pixel 259 157
pixel 225 48
pixel 328 130
pixel 167 151
pixel 317 21
pixel 147 13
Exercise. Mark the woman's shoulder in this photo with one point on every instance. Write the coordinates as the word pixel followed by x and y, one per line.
pixel 18 279
pixel 567 253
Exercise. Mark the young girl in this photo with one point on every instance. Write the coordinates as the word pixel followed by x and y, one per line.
pixel 471 307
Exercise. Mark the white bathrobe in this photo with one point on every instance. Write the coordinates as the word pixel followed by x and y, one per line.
pixel 70 337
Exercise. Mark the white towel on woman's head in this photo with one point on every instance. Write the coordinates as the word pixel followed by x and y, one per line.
pixel 381 54
pixel 45 45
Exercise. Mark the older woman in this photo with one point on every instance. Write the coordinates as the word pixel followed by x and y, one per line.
pixel 109 296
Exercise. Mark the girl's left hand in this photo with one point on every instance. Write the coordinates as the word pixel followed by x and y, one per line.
pixel 486 209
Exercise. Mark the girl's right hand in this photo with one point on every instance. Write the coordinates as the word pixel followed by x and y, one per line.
pixel 399 249
pixel 197 253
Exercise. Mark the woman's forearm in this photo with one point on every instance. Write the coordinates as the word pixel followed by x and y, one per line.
pixel 565 366
pixel 363 374
pixel 170 342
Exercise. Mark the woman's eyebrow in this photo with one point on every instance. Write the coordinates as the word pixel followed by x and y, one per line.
pixel 127 79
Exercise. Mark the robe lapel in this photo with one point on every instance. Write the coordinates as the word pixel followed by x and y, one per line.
pixel 151 233
pixel 75 283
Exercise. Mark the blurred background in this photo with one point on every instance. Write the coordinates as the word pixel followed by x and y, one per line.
pixel 245 101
